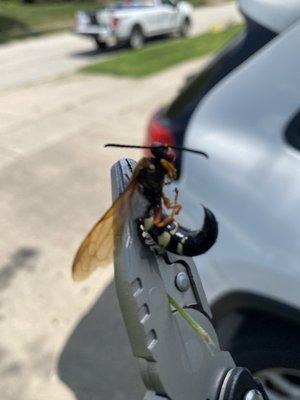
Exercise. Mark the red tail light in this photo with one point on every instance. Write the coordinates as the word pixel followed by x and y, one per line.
pixel 115 22
pixel 158 133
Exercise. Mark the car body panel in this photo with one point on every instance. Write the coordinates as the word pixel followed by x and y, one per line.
pixel 252 180
pixel 277 15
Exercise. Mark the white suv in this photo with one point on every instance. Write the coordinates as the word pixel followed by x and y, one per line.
pixel 248 121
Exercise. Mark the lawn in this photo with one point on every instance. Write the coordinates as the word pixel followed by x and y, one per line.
pixel 199 3
pixel 19 20
pixel 154 58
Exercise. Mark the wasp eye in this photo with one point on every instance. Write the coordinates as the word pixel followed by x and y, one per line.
pixel 170 155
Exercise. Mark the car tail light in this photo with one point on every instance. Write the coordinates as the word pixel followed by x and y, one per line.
pixel 115 22
pixel 158 133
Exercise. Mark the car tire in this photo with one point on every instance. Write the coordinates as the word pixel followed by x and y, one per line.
pixel 185 27
pixel 100 45
pixel 136 39
pixel 269 348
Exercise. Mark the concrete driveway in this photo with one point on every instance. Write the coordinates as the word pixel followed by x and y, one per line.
pixel 61 340
pixel 33 60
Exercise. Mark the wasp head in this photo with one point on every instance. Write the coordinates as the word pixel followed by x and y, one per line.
pixel 163 152
pixel 165 156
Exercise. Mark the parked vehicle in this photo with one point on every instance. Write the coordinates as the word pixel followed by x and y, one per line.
pixel 244 110
pixel 168 124
pixel 134 22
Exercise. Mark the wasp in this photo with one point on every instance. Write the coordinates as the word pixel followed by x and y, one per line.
pixel 148 179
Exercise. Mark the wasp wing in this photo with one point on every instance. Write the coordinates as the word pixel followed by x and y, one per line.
pixel 97 248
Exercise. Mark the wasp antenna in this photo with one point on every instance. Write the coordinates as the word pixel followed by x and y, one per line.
pixel 202 153
pixel 130 146
pixel 133 146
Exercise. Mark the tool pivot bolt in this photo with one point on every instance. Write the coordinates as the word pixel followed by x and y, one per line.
pixel 182 281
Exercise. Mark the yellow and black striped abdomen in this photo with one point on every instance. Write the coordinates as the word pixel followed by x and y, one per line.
pixel 182 241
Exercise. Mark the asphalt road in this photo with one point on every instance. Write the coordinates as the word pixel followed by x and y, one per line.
pixel 33 60
pixel 61 340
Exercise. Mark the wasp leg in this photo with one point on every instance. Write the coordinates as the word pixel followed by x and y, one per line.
pixel 161 221
pixel 176 207
pixel 167 201
pixel 169 168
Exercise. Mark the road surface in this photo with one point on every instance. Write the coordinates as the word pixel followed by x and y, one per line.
pixel 33 60
pixel 61 340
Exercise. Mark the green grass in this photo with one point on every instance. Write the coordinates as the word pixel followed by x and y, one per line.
pixel 199 3
pixel 154 58
pixel 19 20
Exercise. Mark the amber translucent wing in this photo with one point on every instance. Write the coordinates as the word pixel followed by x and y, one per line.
pixel 97 248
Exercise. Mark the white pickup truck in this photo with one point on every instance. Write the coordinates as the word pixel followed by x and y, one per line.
pixel 133 22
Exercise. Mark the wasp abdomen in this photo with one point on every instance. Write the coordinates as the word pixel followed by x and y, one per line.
pixel 182 241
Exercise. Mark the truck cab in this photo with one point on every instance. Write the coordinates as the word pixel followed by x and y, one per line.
pixel 134 22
